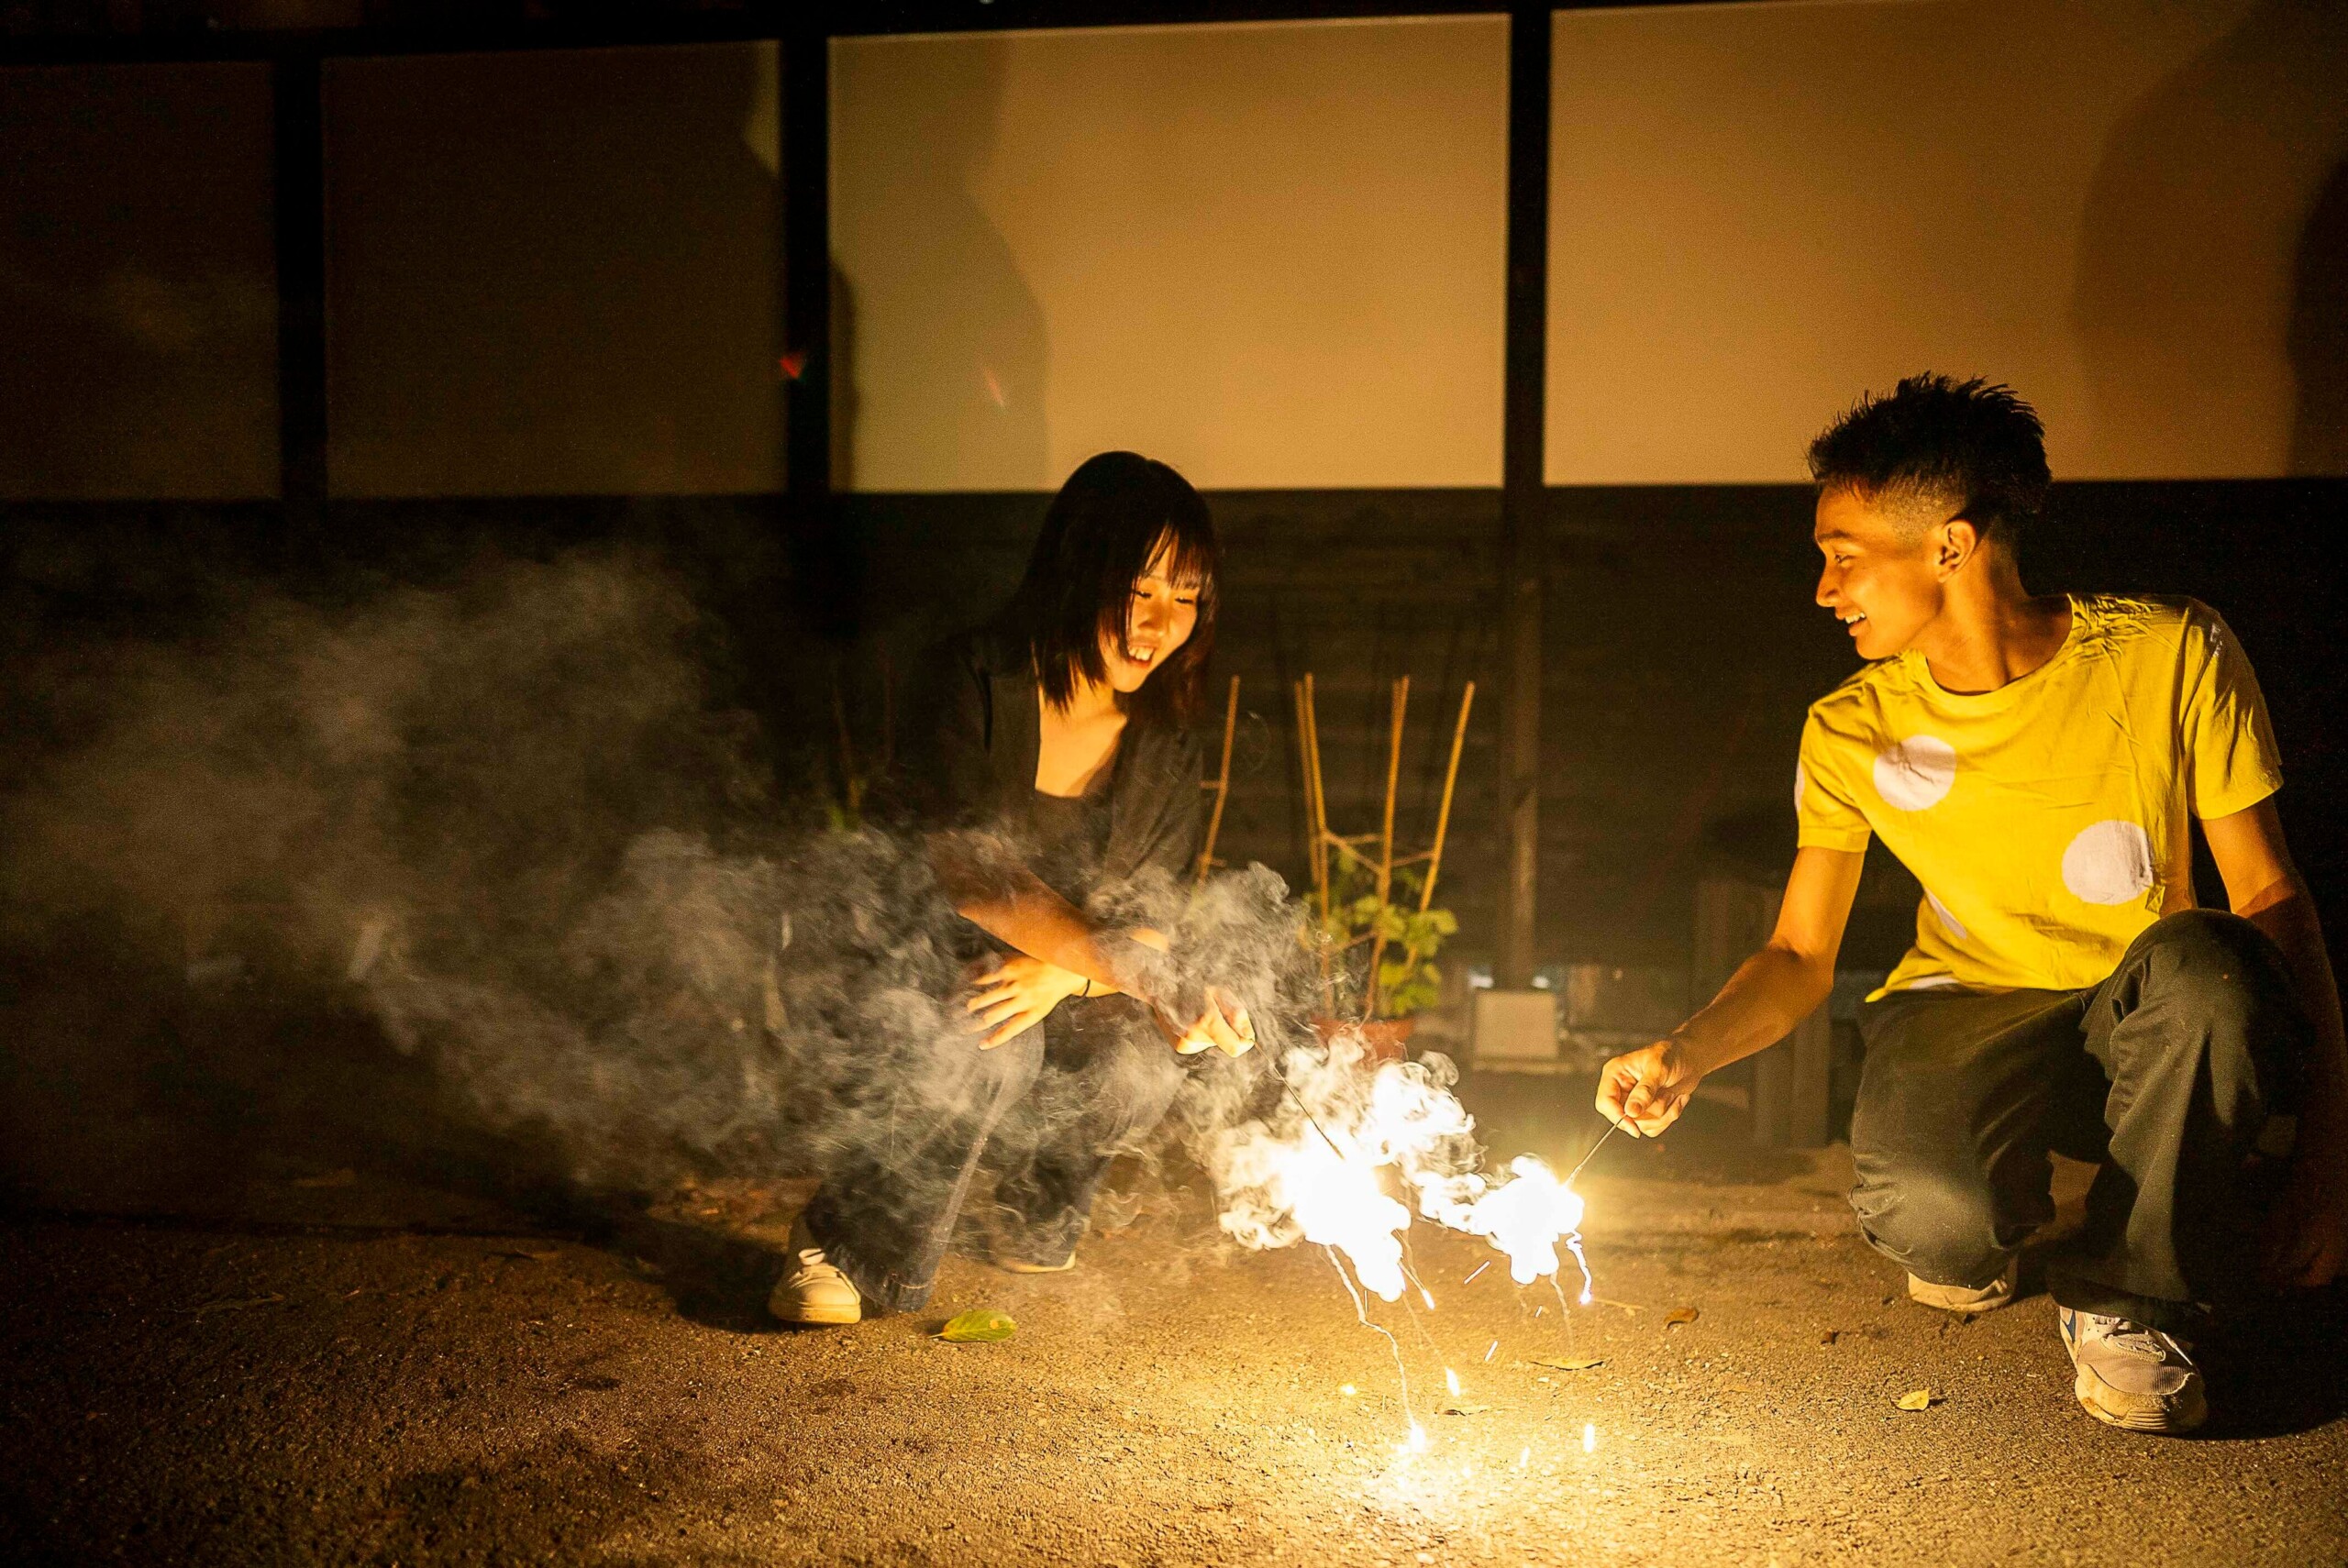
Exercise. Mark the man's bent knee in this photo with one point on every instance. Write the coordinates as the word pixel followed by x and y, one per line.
pixel 1941 1227
pixel 2205 952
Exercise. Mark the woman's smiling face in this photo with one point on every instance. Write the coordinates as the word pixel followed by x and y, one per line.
pixel 1160 616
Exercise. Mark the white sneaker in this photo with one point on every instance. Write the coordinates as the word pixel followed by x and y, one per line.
pixel 1964 1298
pixel 812 1290
pixel 2133 1376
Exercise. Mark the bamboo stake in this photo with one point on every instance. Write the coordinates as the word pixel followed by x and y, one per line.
pixel 1401 702
pixel 1221 782
pixel 1317 789
pixel 1443 815
pixel 1316 808
pixel 1434 857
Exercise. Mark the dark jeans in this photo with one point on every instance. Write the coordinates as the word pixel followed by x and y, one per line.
pixel 1046 1113
pixel 2163 1076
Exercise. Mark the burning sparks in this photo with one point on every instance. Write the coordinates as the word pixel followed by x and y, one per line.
pixel 1320 1170
pixel 1318 1179
pixel 1590 1437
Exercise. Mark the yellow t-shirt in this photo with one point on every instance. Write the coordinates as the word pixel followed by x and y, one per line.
pixel 2047 819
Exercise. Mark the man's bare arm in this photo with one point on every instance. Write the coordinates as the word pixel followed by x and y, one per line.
pixel 2311 1243
pixel 1769 994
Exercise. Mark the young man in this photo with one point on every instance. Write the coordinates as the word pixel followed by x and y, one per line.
pixel 2034 763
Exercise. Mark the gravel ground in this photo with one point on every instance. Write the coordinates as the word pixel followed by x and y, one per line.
pixel 308 1364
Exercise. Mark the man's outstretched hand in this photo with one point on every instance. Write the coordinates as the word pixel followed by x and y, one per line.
pixel 1643 1091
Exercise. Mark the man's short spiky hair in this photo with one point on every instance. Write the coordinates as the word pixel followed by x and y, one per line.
pixel 1968 448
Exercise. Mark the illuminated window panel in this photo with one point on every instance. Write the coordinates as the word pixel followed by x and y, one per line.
pixel 1270 255
pixel 1759 211
pixel 137 288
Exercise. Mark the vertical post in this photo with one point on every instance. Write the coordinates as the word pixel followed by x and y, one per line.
pixel 807 324
pixel 299 199
pixel 1523 480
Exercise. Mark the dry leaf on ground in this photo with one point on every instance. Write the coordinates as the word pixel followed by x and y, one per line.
pixel 1571 1364
pixel 1465 1410
pixel 978 1326
pixel 1915 1399
pixel 1679 1315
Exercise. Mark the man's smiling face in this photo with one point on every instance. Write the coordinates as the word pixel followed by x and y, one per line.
pixel 1880 577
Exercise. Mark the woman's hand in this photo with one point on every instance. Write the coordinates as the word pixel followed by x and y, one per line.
pixel 1643 1091
pixel 1224 1026
pixel 1018 994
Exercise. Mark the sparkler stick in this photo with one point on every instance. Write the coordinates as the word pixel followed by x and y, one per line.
pixel 1611 1128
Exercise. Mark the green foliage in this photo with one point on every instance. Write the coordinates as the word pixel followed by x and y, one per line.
pixel 1408 979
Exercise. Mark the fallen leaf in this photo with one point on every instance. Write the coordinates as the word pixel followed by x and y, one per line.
pixel 237 1305
pixel 1579 1364
pixel 1465 1410
pixel 978 1326
pixel 1915 1399
pixel 344 1178
pixel 1830 1336
pixel 1679 1315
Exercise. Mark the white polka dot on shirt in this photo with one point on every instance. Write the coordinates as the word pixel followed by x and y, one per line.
pixel 1915 773
pixel 1955 927
pixel 2110 863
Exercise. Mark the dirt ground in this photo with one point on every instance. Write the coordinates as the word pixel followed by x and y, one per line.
pixel 308 1364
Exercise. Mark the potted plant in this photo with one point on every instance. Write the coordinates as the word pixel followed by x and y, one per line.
pixel 1383 904
pixel 1390 940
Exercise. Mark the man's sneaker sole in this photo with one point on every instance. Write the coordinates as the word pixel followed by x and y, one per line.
pixel 1020 1266
pixel 2142 1414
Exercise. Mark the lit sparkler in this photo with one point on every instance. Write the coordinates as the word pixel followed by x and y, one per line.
pixel 1324 1178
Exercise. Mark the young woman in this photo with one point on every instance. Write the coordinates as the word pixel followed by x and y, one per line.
pixel 1051 767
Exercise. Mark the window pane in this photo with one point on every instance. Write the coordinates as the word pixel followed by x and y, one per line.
pixel 137 288
pixel 1270 255
pixel 1759 211
pixel 553 273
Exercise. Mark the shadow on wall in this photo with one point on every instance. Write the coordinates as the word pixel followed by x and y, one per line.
pixel 2183 292
pixel 972 418
pixel 2318 333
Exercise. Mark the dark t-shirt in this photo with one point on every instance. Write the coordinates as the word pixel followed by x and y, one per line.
pixel 973 729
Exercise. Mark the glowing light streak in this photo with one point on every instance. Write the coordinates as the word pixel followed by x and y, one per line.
pixel 1590 1437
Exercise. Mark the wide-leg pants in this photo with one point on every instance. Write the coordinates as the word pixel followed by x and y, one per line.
pixel 2163 1075
pixel 1048 1111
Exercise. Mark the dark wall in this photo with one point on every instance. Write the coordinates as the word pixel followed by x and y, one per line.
pixel 1683 647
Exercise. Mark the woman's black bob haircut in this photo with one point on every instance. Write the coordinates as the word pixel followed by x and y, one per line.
pixel 1098 535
